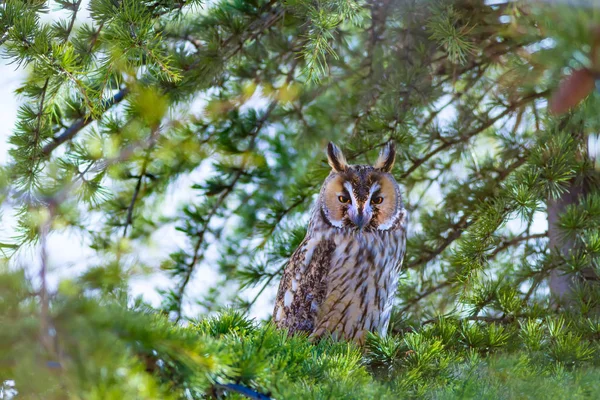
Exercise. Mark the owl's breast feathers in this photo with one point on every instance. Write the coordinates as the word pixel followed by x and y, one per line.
pixel 341 282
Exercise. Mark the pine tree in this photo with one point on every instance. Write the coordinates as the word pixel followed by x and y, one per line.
pixel 122 107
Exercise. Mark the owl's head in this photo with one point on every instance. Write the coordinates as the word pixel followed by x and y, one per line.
pixel 362 197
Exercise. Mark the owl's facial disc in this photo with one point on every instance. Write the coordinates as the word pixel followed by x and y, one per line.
pixel 361 197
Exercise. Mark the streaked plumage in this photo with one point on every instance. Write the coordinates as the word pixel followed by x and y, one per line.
pixel 342 278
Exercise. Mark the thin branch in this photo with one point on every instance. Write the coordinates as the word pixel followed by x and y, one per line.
pixel 420 161
pixel 456 231
pixel 280 217
pixel 36 139
pixel 45 322
pixel 81 123
pixel 455 96
pixel 513 242
pixel 266 284
pixel 414 300
pixel 73 18
pixel 151 142
pixel 129 219
pixel 222 197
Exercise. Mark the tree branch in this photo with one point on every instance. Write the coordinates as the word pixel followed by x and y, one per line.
pixel 508 243
pixel 81 123
pixel 457 230
pixel 129 219
pixel 525 100
pixel 222 197
pixel 414 300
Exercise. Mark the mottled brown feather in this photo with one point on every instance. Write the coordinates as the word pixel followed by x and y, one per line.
pixel 300 315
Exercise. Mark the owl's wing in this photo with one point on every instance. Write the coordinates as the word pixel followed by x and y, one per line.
pixel 303 285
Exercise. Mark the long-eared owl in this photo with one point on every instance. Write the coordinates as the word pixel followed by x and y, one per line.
pixel 343 277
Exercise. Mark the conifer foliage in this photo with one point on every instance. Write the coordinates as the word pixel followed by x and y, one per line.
pixel 135 100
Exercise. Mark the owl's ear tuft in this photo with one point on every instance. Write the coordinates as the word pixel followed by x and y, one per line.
pixel 386 158
pixel 336 158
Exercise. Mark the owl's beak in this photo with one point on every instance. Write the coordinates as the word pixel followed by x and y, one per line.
pixel 361 219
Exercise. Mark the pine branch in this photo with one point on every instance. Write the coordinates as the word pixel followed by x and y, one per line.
pixel 506 244
pixel 458 228
pixel 485 125
pixel 253 136
pixel 220 200
pixel 36 139
pixel 455 232
pixel 414 300
pixel 513 242
pixel 81 123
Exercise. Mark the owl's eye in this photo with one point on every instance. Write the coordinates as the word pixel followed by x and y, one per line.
pixel 377 200
pixel 343 199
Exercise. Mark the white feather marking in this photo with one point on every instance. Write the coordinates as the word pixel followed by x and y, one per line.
pixel 392 221
pixel 311 245
pixel 337 224
pixel 279 314
pixel 374 188
pixel 348 187
pixel 288 298
pixel 294 285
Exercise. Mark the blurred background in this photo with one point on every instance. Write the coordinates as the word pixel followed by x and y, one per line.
pixel 172 150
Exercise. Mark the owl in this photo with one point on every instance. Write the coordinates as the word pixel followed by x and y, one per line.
pixel 342 278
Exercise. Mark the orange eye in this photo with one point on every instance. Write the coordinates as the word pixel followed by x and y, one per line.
pixel 377 200
pixel 343 199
